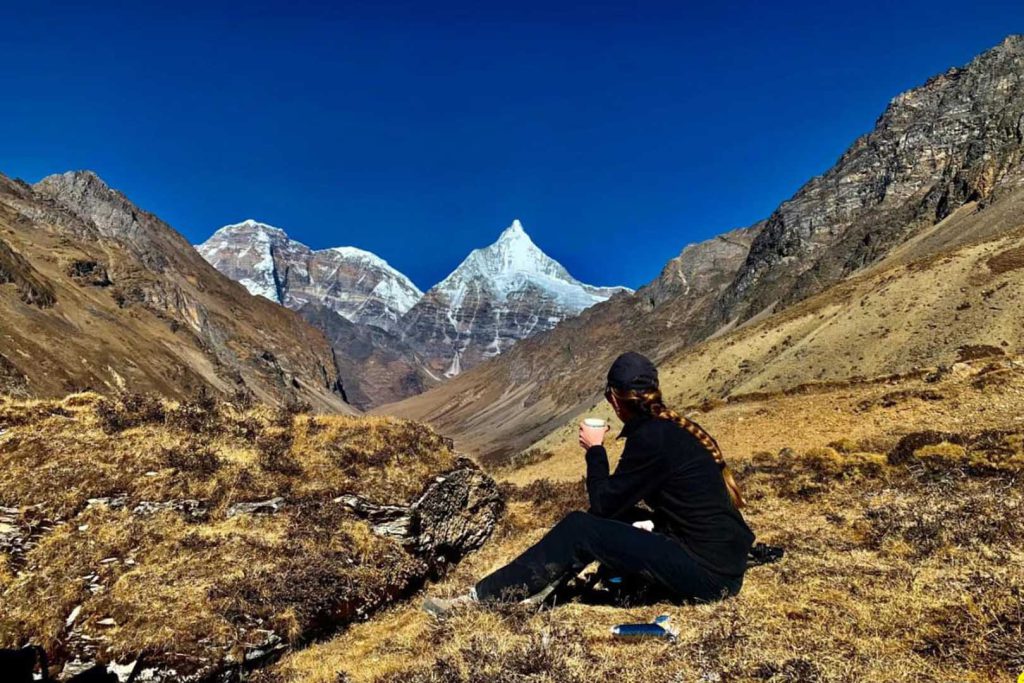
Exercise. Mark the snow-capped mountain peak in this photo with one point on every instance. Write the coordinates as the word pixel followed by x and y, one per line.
pixel 357 284
pixel 498 295
pixel 252 226
pixel 250 243
pixel 514 232
pixel 515 262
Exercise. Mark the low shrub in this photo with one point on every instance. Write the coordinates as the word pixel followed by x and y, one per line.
pixel 128 410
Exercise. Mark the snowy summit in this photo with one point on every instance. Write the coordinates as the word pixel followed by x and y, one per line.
pixel 498 295
pixel 357 284
pixel 514 263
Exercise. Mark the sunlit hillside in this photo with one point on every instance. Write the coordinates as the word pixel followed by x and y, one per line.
pixel 898 503
pixel 203 538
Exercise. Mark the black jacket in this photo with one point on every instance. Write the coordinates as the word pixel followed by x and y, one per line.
pixel 666 467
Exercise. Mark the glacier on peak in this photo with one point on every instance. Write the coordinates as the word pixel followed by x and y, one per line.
pixel 498 295
pixel 355 283
pixel 513 263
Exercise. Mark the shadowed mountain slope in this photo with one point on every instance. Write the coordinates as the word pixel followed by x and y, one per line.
pixel 376 366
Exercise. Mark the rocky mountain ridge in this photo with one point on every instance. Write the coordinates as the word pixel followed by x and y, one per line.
pixel 499 295
pixel 956 139
pixel 104 295
pixel 358 285
pixel 943 165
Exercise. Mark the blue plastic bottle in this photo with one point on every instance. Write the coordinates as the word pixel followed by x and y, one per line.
pixel 659 628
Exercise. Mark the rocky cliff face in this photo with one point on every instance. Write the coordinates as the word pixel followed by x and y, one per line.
pixel 104 295
pixel 356 284
pixel 956 139
pixel 497 296
pixel 954 145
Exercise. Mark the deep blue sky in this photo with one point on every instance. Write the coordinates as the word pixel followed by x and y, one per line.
pixel 618 132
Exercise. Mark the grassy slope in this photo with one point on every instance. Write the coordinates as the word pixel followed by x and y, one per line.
pixel 895 570
pixel 197 589
pixel 905 571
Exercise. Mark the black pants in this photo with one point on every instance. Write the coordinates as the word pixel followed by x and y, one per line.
pixel 581 538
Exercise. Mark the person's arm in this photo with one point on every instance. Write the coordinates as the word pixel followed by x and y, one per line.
pixel 640 471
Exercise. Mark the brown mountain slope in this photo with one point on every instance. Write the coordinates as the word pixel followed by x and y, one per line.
pixel 911 315
pixel 953 145
pixel 376 366
pixel 512 400
pixel 103 295
pixel 915 309
pixel 956 139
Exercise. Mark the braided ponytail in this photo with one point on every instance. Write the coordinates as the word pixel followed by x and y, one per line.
pixel 650 402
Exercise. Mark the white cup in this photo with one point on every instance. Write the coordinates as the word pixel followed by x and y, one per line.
pixel 595 422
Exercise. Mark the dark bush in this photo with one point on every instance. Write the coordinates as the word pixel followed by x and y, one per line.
pixel 198 414
pixel 192 457
pixel 243 399
pixel 274 455
pixel 285 413
pixel 246 427
pixel 129 410
pixel 903 452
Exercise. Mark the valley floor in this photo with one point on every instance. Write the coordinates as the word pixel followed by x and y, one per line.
pixel 904 554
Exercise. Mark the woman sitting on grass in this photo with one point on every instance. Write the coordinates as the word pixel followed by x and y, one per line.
pixel 698 548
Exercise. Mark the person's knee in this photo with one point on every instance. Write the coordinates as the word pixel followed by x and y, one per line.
pixel 576 521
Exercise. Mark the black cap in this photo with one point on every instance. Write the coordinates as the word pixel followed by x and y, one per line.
pixel 633 372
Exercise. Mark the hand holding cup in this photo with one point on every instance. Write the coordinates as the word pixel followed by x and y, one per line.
pixel 592 432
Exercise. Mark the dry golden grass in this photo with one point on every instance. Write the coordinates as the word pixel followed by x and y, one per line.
pixel 190 583
pixel 902 517
pixel 905 558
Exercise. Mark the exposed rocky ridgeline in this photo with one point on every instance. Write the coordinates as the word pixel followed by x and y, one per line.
pixel 100 294
pixel 499 295
pixel 942 168
pixel 207 539
pixel 959 138
pixel 358 285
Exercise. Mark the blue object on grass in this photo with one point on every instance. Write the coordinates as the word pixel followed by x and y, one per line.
pixel 659 628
